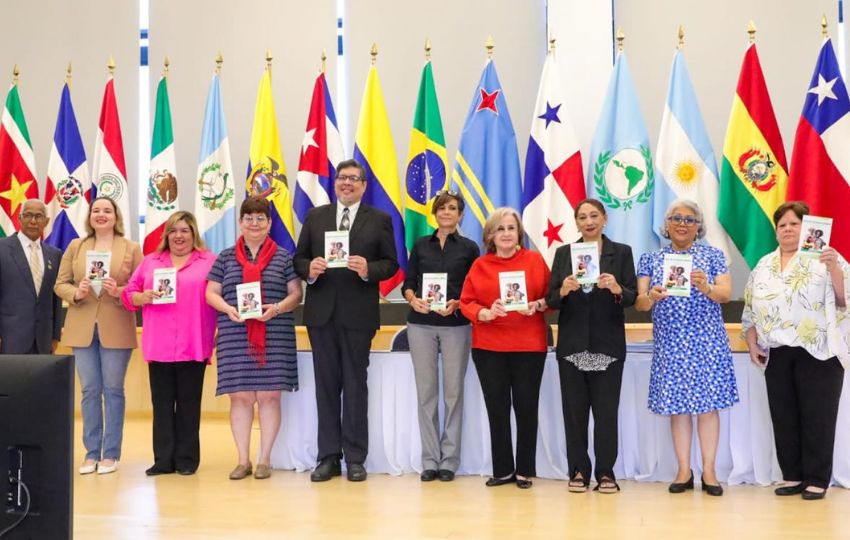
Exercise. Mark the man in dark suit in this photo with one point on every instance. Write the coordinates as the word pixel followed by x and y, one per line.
pixel 341 314
pixel 30 314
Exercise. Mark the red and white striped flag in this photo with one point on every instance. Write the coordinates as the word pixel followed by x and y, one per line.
pixel 109 170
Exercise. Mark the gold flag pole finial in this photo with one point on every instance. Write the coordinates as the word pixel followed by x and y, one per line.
pixel 324 59
pixel 269 59
pixel 68 74
pixel 489 45
pixel 165 66
pixel 621 37
pixel 16 73
pixel 751 30
pixel 110 65
pixel 552 44
pixel 427 50
pixel 681 44
pixel 219 60
pixel 374 53
pixel 824 26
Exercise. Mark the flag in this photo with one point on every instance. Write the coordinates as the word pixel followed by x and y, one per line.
pixel 685 166
pixel 109 171
pixel 427 161
pixel 486 170
pixel 621 174
pixel 67 179
pixel 321 152
pixel 374 149
pixel 820 161
pixel 162 183
pixel 266 169
pixel 17 164
pixel 554 181
pixel 753 177
pixel 214 204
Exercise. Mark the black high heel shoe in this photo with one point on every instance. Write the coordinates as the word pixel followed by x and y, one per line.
pixel 681 487
pixel 715 490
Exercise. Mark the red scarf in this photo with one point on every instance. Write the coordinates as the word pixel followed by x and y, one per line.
pixel 253 271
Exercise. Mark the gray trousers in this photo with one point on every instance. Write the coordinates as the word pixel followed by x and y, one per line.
pixel 427 343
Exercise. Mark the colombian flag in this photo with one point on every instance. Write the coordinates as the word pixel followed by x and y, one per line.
pixel 266 169
pixel 373 148
pixel 753 177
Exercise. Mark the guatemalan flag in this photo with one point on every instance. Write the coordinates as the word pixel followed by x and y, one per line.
pixel 321 152
pixel 67 179
pixel 554 181
pixel 820 162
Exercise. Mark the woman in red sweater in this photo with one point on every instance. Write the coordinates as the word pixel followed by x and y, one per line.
pixel 508 341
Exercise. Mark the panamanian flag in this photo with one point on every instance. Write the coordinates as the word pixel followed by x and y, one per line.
pixel 67 179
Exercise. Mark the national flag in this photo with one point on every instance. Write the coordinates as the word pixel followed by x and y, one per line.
pixel 622 174
pixel 109 170
pixel 374 149
pixel 554 180
pixel 820 161
pixel 684 160
pixel 427 161
pixel 753 177
pixel 17 164
pixel 162 183
pixel 214 199
pixel 486 170
pixel 321 152
pixel 67 179
pixel 266 169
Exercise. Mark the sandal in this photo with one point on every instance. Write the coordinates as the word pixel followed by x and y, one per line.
pixel 577 484
pixel 607 486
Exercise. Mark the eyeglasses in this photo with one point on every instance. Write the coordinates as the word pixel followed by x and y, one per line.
pixel 348 178
pixel 679 219
pixel 259 220
pixel 29 216
pixel 450 192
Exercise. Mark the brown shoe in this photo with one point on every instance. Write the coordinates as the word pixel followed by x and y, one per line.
pixel 240 472
pixel 262 471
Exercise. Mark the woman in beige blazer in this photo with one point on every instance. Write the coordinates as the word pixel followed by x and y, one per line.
pixel 100 330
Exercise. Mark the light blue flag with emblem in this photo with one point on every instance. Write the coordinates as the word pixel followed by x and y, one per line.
pixel 620 171
pixel 486 171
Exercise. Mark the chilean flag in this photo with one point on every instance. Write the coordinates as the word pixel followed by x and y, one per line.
pixel 554 181
pixel 321 152
pixel 820 162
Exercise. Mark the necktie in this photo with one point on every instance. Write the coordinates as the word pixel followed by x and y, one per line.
pixel 36 267
pixel 345 222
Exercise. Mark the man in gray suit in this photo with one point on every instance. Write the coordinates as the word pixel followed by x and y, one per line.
pixel 30 314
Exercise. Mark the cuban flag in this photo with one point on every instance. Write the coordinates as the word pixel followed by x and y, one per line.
pixel 554 180
pixel 67 179
pixel 820 162
pixel 321 152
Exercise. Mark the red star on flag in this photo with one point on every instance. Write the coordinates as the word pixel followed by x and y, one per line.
pixel 488 101
pixel 553 233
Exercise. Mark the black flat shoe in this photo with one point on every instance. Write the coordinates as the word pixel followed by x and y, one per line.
pixel 681 487
pixel 185 472
pixel 327 469
pixel 156 471
pixel 715 490
pixel 813 495
pixel 445 475
pixel 355 472
pixel 493 482
pixel 428 475
pixel 523 483
pixel 785 491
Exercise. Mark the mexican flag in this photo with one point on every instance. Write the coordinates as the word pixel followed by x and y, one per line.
pixel 17 164
pixel 162 184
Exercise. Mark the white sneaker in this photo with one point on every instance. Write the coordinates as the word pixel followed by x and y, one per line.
pixel 88 468
pixel 106 469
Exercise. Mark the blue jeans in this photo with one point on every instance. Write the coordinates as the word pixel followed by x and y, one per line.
pixel 102 372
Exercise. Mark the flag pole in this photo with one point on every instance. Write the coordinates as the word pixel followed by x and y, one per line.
pixel 165 66
pixel 68 75
pixel 324 59
pixel 621 37
pixel 427 50
pixel 751 31
pixel 681 44
pixel 823 27
pixel 269 59
pixel 489 45
pixel 110 66
pixel 374 53
pixel 219 60
pixel 16 74
pixel 552 45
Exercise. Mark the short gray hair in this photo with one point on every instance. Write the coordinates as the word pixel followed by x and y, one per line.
pixel 34 201
pixel 690 205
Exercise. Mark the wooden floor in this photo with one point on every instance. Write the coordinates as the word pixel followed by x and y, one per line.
pixel 129 505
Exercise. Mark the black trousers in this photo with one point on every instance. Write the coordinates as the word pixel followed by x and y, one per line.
pixel 340 363
pixel 803 394
pixel 176 389
pixel 581 392
pixel 506 378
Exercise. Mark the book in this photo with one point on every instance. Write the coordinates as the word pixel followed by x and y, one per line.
pixel 677 273
pixel 814 236
pixel 97 268
pixel 336 249
pixel 513 291
pixel 249 299
pixel 165 285
pixel 585 259
pixel 434 288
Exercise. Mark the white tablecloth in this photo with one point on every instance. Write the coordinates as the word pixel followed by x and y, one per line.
pixel 746 453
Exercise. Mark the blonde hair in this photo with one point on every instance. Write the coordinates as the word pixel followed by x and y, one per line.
pixel 118 228
pixel 189 218
pixel 493 223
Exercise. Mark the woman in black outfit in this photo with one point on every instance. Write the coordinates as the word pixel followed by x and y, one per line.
pixel 592 347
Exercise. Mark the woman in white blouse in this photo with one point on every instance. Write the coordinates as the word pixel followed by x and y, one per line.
pixel 796 323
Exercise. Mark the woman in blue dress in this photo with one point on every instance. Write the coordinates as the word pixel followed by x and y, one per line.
pixel 692 371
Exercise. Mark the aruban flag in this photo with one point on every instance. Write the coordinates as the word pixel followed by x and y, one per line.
pixel 17 164
pixel 162 182
pixel 109 171
pixel 753 177
pixel 321 152
pixel 67 179
pixel 266 169
pixel 554 180
pixel 820 162
pixel 374 149
pixel 214 205
pixel 427 161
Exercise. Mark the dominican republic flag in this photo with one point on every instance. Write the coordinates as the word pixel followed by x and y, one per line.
pixel 820 162
pixel 162 182
pixel 109 170
pixel 321 152
pixel 67 179
pixel 554 180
